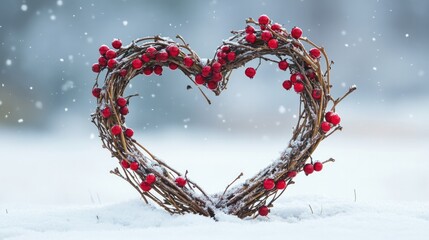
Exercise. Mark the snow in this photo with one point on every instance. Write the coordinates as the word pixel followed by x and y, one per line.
pixel 292 218
pixel 86 202
pixel 24 7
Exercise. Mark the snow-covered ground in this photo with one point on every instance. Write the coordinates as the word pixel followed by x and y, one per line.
pixel 290 219
pixel 57 186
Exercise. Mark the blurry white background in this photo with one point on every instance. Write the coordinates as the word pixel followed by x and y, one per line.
pixel 50 152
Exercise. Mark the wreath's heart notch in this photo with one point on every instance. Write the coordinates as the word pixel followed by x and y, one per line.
pixel 175 192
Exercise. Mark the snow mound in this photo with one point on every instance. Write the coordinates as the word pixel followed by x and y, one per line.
pixel 290 218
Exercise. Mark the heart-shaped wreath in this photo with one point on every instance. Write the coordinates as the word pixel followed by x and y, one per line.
pixel 153 178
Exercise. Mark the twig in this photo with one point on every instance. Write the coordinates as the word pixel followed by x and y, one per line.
pixel 229 185
pixel 355 193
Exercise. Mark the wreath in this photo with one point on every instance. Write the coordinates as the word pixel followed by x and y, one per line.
pixel 174 191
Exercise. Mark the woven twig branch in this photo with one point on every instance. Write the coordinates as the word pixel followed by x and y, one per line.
pixel 158 182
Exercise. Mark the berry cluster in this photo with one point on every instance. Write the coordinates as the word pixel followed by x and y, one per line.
pixel 262 39
pixel 270 185
pixel 332 119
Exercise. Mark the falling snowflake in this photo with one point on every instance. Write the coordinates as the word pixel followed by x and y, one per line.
pixel 38 104
pixel 24 7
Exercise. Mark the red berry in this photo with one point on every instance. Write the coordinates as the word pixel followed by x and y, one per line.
pixel 221 54
pixel 145 58
pixel 273 44
pixel 317 166
pixel 116 130
pixel 103 49
pixel 125 164
pixel 287 84
pixel 110 54
pixel 145 186
pixel 212 85
pixel 250 29
pixel 150 178
pixel 292 174
pixel 315 53
pixel 308 169
pixel 129 132
pixel 281 184
pixel 106 113
pixel 251 38
pixel 199 79
pixel 217 77
pixel 328 116
pixel 96 92
pixel 263 20
pixel 205 72
pixel 124 110
pixel 134 166
pixel 298 87
pixel 316 94
pixel 225 49
pixel 216 66
pixel 123 72
pixel 173 66
pixel 116 43
pixel 96 68
pixel 276 27
pixel 151 52
pixel 221 61
pixel 296 77
pixel 266 35
pixel 137 63
pixel 112 63
pixel 311 74
pixel 335 119
pixel 263 211
pixel 269 184
pixel 283 65
pixel 250 72
pixel 180 181
pixel 162 56
pixel 148 71
pixel 157 70
pixel 173 50
pixel 325 126
pixel 121 101
pixel 296 32
pixel 188 61
pixel 102 61
pixel 231 56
